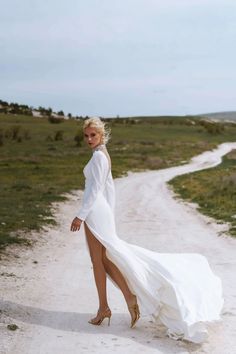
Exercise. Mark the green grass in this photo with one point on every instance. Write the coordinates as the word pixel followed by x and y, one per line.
pixel 36 169
pixel 214 190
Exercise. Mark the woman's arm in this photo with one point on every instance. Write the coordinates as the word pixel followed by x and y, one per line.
pixel 94 184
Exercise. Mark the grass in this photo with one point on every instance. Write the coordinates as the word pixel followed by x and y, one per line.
pixel 40 161
pixel 214 190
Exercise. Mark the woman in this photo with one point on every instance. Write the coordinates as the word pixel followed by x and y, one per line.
pixel 96 136
pixel 180 290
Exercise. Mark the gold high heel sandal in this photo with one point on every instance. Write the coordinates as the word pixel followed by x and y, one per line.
pixel 135 313
pixel 102 315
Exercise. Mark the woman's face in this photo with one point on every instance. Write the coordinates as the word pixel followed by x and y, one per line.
pixel 92 137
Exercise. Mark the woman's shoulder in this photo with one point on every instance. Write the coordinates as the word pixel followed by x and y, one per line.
pixel 99 157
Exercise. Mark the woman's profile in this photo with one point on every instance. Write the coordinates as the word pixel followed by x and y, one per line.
pixel 179 290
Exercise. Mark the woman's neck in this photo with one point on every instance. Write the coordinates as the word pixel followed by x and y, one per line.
pixel 99 147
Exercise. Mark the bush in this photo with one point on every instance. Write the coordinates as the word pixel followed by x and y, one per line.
pixel 45 111
pixel 79 137
pixel 212 127
pixel 58 135
pixel 55 120
pixel 14 132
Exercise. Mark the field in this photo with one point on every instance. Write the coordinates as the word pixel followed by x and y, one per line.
pixel 214 190
pixel 41 160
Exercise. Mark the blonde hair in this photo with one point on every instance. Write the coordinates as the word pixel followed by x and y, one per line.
pixel 100 126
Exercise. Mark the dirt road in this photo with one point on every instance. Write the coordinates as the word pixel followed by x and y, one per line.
pixel 49 291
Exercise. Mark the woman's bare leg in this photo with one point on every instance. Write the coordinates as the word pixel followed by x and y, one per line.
pixel 101 265
pixel 95 249
pixel 118 278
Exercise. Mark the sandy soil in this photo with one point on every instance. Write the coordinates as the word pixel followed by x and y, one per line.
pixel 48 291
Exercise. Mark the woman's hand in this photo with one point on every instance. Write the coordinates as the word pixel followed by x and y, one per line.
pixel 75 225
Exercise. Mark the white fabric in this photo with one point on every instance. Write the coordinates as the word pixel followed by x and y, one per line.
pixel 179 290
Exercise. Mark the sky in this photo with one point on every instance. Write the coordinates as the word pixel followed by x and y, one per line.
pixel 119 57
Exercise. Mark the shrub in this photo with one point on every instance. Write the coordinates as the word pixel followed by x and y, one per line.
pixel 212 127
pixel 79 137
pixel 55 120
pixel 58 135
pixel 14 132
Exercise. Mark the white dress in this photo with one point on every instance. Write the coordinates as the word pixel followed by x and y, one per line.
pixel 179 290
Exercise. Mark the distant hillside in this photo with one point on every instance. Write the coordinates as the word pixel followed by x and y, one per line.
pixel 24 109
pixel 221 116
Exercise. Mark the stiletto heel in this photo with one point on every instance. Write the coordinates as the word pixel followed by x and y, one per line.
pixel 100 317
pixel 135 313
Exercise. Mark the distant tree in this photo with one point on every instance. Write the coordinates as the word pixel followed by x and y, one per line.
pixel 60 113
pixel 14 105
pixel 24 106
pixel 42 110
pixel 4 103
pixel 45 111
pixel 49 111
pixel 69 115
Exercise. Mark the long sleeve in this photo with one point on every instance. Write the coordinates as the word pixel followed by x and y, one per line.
pixel 95 182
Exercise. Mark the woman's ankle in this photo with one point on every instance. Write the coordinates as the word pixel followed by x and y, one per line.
pixel 131 299
pixel 103 308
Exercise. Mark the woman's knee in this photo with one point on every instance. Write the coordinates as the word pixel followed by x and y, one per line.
pixel 95 249
pixel 105 260
pixel 99 256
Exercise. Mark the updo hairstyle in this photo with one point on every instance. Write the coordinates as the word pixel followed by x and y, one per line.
pixel 100 126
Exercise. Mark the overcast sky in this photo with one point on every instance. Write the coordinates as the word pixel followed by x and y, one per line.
pixel 119 57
